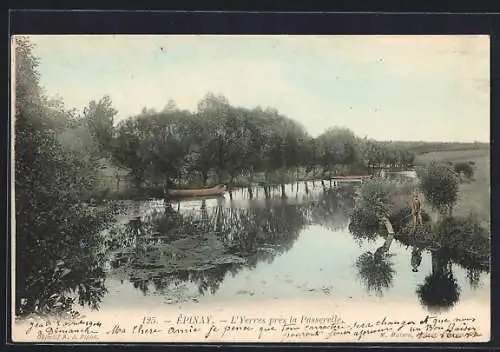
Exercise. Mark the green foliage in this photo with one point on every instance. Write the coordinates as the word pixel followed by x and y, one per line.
pixel 440 186
pixel 99 119
pixel 337 146
pixel 401 218
pixel 464 168
pixel 52 180
pixel 466 231
pixel 375 196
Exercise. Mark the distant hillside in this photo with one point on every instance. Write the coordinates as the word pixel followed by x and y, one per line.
pixel 427 147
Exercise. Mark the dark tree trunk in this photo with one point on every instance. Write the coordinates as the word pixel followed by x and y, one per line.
pixel 204 178
pixel 307 189
pixel 283 193
pixel 138 182
pixel 166 187
pixel 229 186
pixel 250 192
pixel 266 191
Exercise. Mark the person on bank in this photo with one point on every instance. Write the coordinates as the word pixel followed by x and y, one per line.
pixel 416 210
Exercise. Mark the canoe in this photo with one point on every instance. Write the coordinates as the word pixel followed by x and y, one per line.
pixel 203 192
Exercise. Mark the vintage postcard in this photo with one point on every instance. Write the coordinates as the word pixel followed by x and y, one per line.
pixel 250 188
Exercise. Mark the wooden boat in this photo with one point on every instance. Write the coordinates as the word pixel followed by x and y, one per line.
pixel 360 177
pixel 203 192
pixel 351 178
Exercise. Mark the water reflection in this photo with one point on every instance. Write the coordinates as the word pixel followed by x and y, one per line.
pixel 416 258
pixel 376 270
pixel 440 290
pixel 161 248
pixel 202 247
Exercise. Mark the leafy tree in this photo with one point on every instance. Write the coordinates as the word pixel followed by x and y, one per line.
pixel 51 184
pixel 202 150
pixel 375 197
pixel 128 149
pixel 99 116
pixel 440 186
pixel 372 153
pixel 216 109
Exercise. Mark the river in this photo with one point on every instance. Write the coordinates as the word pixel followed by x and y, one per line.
pixel 218 251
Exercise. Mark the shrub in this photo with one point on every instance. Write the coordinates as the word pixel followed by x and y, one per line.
pixel 440 186
pixel 464 168
pixel 375 197
pixel 402 217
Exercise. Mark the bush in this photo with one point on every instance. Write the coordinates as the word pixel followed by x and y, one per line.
pixel 402 217
pixel 463 232
pixel 440 184
pixel 375 197
pixel 464 168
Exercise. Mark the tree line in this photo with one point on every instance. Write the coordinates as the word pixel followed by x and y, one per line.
pixel 228 141
pixel 173 147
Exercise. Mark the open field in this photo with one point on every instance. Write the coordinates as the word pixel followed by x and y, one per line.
pixel 474 197
pixel 452 155
pixel 426 147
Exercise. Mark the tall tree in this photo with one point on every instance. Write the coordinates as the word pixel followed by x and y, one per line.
pixel 50 188
pixel 99 117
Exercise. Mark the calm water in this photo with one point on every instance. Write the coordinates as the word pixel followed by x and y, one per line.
pixel 220 250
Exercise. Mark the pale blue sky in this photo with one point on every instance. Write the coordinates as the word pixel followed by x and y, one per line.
pixel 386 87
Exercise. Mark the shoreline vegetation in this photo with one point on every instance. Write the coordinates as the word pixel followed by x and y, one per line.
pixel 72 167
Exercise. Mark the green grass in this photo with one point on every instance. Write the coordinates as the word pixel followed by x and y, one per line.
pixel 474 197
pixel 452 155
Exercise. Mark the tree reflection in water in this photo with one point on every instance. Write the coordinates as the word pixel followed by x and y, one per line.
pixel 165 249
pixel 203 246
pixel 376 269
pixel 57 282
pixel 440 290
pixel 214 242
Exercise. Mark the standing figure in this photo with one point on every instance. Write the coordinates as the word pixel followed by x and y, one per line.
pixel 416 210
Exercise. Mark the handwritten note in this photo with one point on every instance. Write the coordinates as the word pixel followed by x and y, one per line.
pixel 207 328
